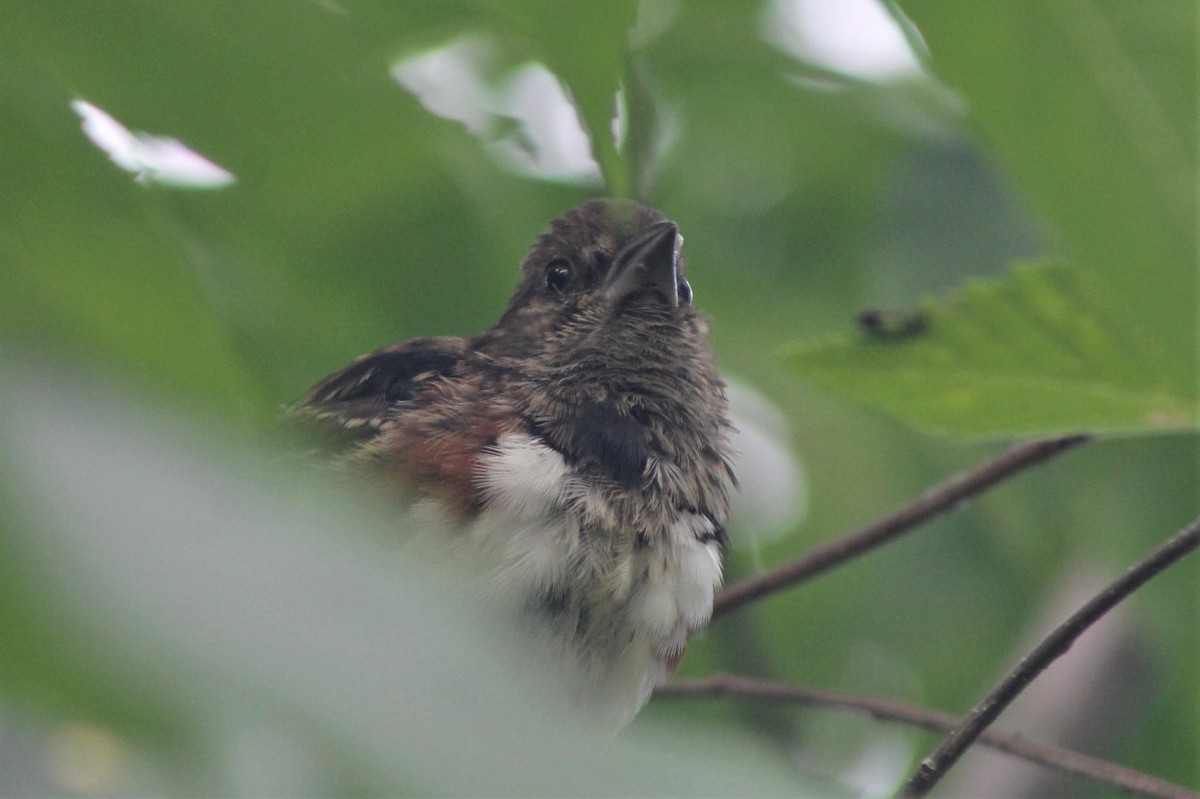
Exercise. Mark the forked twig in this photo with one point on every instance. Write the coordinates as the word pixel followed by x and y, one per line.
pixel 1054 757
pixel 934 767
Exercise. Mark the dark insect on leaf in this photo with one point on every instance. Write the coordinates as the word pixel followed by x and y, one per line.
pixel 889 324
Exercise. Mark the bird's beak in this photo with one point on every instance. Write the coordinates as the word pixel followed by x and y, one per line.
pixel 650 261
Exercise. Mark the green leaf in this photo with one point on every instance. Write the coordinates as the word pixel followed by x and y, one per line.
pixel 1090 105
pixel 1037 353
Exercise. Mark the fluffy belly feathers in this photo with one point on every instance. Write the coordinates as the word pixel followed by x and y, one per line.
pixel 615 603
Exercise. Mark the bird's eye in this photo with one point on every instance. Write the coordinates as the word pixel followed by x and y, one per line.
pixel 685 292
pixel 558 275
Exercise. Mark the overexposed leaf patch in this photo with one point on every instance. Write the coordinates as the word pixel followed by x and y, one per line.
pixel 523 115
pixel 152 159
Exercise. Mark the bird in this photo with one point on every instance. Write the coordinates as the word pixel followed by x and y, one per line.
pixel 579 450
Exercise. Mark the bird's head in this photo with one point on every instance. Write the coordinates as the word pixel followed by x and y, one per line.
pixel 605 280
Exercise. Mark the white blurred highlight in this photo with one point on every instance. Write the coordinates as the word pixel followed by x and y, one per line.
pixel 774 491
pixel 524 117
pixel 855 37
pixel 152 159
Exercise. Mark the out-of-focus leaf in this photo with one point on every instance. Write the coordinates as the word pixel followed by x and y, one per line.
pixel 1091 106
pixel 1040 352
pixel 261 608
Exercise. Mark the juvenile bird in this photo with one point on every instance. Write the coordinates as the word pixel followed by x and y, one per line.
pixel 579 448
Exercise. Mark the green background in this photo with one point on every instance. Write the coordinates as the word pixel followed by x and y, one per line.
pixel 164 324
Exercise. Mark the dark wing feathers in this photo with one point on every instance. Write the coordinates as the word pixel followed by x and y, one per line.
pixel 357 402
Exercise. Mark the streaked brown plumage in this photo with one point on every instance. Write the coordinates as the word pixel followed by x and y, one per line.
pixel 580 445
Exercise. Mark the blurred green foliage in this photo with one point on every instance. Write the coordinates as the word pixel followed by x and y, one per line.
pixel 1063 129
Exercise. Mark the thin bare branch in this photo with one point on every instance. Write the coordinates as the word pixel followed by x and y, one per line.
pixel 934 767
pixel 937 500
pixel 1095 769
